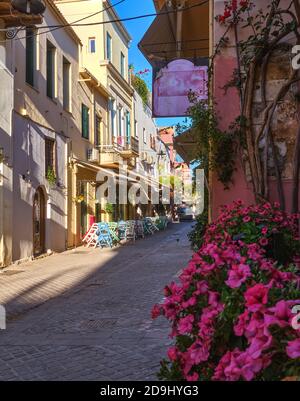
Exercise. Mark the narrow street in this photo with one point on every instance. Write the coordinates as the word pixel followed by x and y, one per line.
pixel 85 314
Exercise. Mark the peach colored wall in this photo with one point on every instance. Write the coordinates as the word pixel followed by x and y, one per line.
pixel 167 136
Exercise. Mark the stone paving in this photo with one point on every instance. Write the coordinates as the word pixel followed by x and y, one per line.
pixel 85 314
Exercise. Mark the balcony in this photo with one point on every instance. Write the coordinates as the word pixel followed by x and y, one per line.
pixel 123 147
pixel 127 147
pixel 109 157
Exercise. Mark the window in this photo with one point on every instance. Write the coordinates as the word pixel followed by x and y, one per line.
pixel 153 143
pixel 144 136
pixel 121 121
pixel 85 121
pixel 98 130
pixel 30 56
pixel 49 156
pixel 113 114
pixel 66 84
pixel 50 70
pixel 108 47
pixel 92 45
pixel 135 128
pixel 122 65
pixel 128 127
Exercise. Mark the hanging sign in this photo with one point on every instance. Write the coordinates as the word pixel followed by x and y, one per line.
pixel 172 85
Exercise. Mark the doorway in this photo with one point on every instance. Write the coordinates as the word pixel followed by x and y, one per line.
pixel 39 212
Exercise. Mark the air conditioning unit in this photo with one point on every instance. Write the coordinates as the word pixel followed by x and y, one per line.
pixel 93 155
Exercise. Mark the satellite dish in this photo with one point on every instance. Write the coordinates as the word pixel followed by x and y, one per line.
pixel 34 7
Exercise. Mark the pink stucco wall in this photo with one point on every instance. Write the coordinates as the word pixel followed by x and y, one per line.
pixel 167 136
pixel 228 109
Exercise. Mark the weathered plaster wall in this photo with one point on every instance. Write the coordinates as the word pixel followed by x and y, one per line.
pixel 6 106
pixel 228 106
pixel 29 174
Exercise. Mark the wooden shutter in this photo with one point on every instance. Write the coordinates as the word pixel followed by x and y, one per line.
pixel 85 121
pixel 98 131
pixel 128 126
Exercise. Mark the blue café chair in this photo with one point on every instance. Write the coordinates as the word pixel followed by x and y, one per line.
pixel 104 237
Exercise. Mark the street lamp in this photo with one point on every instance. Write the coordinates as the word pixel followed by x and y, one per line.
pixel 34 7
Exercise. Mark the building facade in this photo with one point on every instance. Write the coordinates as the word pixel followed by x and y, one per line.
pixel 44 121
pixel 58 116
pixel 69 114
pixel 146 133
pixel 105 56
pixel 9 20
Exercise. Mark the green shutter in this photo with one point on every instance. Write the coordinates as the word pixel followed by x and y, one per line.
pixel 108 47
pixel 85 121
pixel 128 127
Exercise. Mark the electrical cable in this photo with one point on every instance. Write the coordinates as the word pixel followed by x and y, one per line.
pixel 54 27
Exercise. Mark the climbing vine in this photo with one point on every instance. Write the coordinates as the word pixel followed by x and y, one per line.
pixel 216 150
pixel 272 31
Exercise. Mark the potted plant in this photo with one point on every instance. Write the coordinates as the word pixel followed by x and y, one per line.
pixel 79 198
pixel 51 177
pixel 109 208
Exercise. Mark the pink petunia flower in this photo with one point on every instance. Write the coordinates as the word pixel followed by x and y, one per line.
pixel 185 325
pixel 238 275
pixel 256 297
pixel 156 311
pixel 192 378
pixel 293 349
pixel 173 353
pixel 263 241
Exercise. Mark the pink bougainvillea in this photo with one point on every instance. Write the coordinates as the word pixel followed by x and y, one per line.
pixel 231 311
pixel 234 7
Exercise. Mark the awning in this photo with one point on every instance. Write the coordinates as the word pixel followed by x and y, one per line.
pixel 175 35
pixel 186 145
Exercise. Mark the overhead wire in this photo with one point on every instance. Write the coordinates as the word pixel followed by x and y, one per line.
pixel 58 27
pixel 75 23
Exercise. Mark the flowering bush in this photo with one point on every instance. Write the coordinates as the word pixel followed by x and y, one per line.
pixel 231 313
pixel 234 8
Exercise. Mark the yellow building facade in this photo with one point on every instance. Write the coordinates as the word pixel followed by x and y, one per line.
pixel 105 45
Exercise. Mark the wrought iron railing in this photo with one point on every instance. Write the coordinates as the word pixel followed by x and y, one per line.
pixel 121 143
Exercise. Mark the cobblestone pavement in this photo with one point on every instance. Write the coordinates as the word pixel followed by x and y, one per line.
pixel 85 314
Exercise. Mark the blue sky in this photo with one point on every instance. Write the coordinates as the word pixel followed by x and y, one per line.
pixel 137 28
